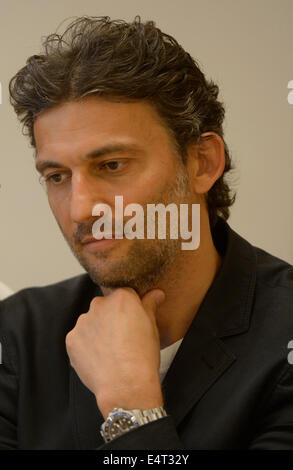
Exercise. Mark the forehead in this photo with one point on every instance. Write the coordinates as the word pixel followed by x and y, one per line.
pixel 93 120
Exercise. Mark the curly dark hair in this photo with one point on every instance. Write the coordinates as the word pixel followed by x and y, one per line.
pixel 97 55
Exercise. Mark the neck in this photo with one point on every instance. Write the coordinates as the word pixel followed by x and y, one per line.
pixel 185 287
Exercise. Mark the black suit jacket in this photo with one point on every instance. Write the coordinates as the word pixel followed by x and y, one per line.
pixel 230 385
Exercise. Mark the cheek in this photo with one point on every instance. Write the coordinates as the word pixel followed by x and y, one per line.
pixel 145 190
pixel 61 212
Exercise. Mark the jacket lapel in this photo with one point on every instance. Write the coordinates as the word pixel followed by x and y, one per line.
pixel 203 358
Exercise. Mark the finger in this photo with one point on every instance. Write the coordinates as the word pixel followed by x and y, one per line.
pixel 152 300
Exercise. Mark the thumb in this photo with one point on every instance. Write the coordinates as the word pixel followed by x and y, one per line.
pixel 152 300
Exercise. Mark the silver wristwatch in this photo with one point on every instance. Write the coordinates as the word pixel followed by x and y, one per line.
pixel 120 421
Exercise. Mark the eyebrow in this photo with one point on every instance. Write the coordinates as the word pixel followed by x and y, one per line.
pixel 41 165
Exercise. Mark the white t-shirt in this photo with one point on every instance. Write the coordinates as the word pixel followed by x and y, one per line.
pixel 167 356
pixel 4 291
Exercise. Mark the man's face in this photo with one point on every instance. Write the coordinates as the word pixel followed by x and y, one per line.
pixel 133 158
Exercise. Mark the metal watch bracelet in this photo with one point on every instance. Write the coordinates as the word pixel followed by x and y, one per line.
pixel 145 416
pixel 120 421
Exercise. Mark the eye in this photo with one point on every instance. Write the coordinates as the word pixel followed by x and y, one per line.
pixel 56 178
pixel 112 165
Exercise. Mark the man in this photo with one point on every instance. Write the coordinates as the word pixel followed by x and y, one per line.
pixel 190 345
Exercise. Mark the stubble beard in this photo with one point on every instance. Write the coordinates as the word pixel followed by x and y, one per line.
pixel 146 260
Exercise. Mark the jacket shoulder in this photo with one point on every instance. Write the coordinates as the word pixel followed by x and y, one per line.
pixel 272 306
pixel 61 301
pixel 273 271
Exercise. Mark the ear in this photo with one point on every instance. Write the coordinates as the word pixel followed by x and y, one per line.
pixel 205 162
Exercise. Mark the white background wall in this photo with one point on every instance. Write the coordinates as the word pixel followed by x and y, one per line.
pixel 245 46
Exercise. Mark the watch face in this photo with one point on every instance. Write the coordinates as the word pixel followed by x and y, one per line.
pixel 121 421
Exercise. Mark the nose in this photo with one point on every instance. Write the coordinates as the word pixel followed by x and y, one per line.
pixel 84 195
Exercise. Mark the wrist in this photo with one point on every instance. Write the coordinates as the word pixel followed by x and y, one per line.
pixel 131 401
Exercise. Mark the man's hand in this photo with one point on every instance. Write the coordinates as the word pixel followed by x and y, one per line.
pixel 115 350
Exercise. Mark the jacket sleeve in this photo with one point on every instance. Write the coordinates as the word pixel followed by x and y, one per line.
pixel 156 435
pixel 8 398
pixel 275 427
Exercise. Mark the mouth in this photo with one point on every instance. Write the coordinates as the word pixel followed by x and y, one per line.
pixel 92 244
